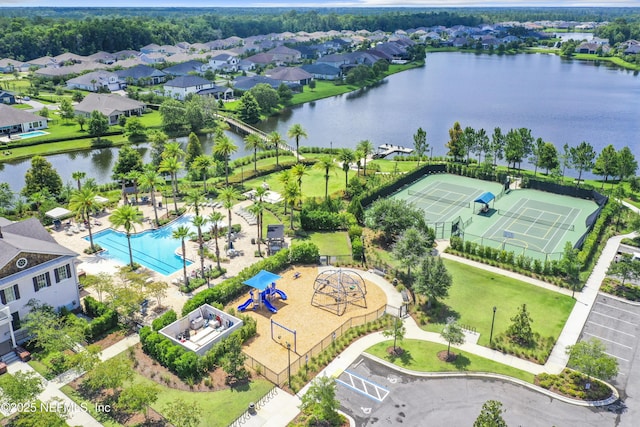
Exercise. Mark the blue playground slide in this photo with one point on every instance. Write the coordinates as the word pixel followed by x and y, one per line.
pixel 282 295
pixel 267 303
pixel 243 307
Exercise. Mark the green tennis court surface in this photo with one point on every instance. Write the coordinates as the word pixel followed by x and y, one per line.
pixel 527 222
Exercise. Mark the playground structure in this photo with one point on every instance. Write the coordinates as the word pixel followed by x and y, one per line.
pixel 264 283
pixel 334 290
pixel 279 334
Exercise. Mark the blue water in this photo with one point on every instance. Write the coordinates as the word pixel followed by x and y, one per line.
pixel 154 249
pixel 33 134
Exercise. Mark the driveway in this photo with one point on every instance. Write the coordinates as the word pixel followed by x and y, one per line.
pixel 374 394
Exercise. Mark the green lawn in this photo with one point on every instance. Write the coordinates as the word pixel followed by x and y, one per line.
pixel 422 356
pixel 39 367
pixel 331 243
pixel 102 417
pixel 475 292
pixel 393 166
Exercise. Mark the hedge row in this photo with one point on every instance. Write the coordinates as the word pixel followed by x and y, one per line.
pixel 166 319
pixel 477 172
pixel 591 243
pixel 322 220
pixel 104 318
pixel 185 363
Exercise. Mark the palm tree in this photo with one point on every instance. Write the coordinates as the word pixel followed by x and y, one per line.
pixel 366 148
pixel 173 149
pixel 254 142
pixel 182 232
pixel 224 148
pixel 260 193
pixel 201 165
pixel 127 216
pixel 296 131
pixel 291 197
pixel 214 219
pixel 83 203
pixel 150 180
pixel 284 178
pixel 134 176
pixel 275 140
pixel 326 164
pixel 346 156
pixel 200 222
pixel 298 171
pixel 256 209
pixel 196 198
pixel 229 195
pixel 172 166
pixel 78 175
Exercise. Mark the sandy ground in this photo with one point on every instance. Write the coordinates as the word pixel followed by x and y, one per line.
pixel 312 324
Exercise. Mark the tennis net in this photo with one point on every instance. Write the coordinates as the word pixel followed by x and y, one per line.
pixel 554 224
pixel 445 200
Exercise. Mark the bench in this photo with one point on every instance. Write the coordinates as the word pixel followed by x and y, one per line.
pixel 23 354
pixel 296 275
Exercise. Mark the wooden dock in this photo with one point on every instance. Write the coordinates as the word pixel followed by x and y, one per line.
pixel 246 129
pixel 386 149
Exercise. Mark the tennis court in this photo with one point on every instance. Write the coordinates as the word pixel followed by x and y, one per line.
pixel 533 224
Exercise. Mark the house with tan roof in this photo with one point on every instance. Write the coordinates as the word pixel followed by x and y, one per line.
pixel 290 75
pixel 95 81
pixel 8 65
pixel 14 121
pixel 111 105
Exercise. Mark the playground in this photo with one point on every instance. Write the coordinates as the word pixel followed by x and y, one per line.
pixel 296 313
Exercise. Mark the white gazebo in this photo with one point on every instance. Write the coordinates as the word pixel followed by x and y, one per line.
pixel 57 213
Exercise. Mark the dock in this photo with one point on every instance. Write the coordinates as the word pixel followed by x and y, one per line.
pixel 386 149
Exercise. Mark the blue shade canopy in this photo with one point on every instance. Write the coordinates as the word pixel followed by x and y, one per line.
pixel 262 280
pixel 485 198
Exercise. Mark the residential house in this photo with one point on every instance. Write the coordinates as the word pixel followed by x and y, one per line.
pixel 10 65
pixel 218 92
pixel 153 58
pixel 141 75
pixel 126 54
pixel 150 48
pixel 245 83
pixel 44 61
pixel 32 266
pixel 13 121
pixel 285 55
pixel 335 60
pixel 224 62
pixel 261 59
pixel 186 68
pixel 113 106
pixel 102 57
pixel 69 58
pixel 322 71
pixel 95 81
pixel 180 87
pixel 592 48
pixel 290 75
pixel 246 65
pixel 7 97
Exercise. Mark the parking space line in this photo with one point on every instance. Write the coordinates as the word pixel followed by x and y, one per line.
pixel 617 308
pixel 613 329
pixel 362 385
pixel 612 342
pixel 611 317
pixel 617 357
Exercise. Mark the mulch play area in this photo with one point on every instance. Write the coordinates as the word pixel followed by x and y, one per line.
pixel 312 324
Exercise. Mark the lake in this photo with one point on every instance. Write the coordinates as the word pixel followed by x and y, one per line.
pixel 562 101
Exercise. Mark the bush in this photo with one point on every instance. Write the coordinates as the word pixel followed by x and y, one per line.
pixel 357 249
pixel 166 319
pixel 304 253
pixel 104 318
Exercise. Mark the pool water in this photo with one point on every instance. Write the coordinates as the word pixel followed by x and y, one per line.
pixel 154 249
pixel 32 134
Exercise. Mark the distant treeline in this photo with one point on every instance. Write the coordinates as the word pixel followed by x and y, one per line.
pixel 29 33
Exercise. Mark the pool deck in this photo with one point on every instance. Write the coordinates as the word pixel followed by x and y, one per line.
pixel 93 264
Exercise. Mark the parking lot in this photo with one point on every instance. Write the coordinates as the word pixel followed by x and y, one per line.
pixel 375 394
pixel 616 325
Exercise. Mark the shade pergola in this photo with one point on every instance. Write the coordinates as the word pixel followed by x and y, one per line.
pixel 262 280
pixel 57 213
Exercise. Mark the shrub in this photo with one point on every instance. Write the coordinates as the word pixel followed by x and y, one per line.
pixel 304 253
pixel 357 249
pixel 166 319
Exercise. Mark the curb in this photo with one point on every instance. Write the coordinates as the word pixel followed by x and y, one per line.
pixel 615 396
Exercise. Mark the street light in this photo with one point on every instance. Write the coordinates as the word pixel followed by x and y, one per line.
pixel 289 362
pixel 492 322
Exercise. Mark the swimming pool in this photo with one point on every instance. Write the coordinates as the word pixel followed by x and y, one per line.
pixel 32 134
pixel 154 249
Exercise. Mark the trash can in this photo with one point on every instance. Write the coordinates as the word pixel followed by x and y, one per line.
pixel 252 408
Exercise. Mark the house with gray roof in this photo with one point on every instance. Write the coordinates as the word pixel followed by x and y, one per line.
pixel 245 83
pixel 224 62
pixel 322 71
pixel 14 121
pixel 32 266
pixel 290 75
pixel 141 75
pixel 180 87
pixel 94 81
pixel 111 105
pixel 186 68
pixel 10 65
pixel 7 97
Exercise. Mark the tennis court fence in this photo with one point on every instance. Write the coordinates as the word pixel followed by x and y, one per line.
pixel 511 246
pixel 555 224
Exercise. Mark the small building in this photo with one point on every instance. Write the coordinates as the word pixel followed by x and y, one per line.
pixel 13 121
pixel 32 266
pixel 7 97
pixel 275 238
pixel 111 105
pixel 199 330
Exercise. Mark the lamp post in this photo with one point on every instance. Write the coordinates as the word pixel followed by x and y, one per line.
pixel 289 362
pixel 242 175
pixel 493 319
pixel 431 158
